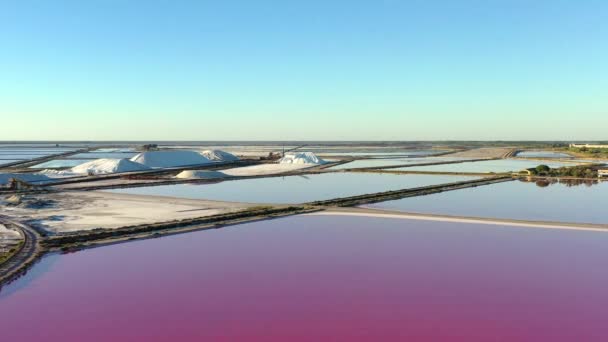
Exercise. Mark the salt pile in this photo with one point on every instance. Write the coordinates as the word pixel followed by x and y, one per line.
pixel 58 173
pixel 201 174
pixel 107 165
pixel 301 158
pixel 170 158
pixel 219 155
pixel 26 177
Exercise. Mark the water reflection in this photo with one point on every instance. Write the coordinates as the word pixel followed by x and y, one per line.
pixel 38 269
pixel 529 199
pixel 294 189
pixel 543 183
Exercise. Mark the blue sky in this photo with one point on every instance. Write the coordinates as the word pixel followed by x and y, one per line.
pixel 304 70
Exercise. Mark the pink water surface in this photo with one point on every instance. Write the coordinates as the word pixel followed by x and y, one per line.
pixel 321 278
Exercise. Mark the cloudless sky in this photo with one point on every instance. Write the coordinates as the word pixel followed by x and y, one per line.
pixel 303 70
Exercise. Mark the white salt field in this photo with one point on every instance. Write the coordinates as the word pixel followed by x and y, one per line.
pixel 559 202
pixel 486 166
pixel 413 153
pixel 294 189
pixel 592 161
pixel 238 150
pixel 230 147
pixel 97 155
pixel 364 154
pixel 116 149
pixel 363 163
pixel 60 163
pixel 542 154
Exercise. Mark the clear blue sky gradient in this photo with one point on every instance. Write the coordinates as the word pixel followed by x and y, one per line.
pixel 293 70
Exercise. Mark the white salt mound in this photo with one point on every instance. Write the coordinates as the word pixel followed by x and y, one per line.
pixel 106 165
pixel 26 177
pixel 58 173
pixel 219 155
pixel 170 158
pixel 201 174
pixel 301 158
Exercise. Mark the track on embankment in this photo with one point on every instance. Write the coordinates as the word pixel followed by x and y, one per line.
pixel 35 245
pixel 26 255
pixel 410 192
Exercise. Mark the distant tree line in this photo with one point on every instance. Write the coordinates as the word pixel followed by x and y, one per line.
pixel 592 152
pixel 579 171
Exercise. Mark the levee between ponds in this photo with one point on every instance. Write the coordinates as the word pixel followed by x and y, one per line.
pixel 410 192
pixel 100 237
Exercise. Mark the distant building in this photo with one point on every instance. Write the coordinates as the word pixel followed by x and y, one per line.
pixel 588 146
pixel 601 173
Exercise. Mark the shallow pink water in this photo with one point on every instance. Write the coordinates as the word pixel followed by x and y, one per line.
pixel 321 278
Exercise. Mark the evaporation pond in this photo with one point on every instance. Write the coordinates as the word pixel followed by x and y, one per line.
pixel 543 154
pixel 294 189
pixel 378 162
pixel 485 166
pixel 583 203
pixel 404 153
pixel 321 278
